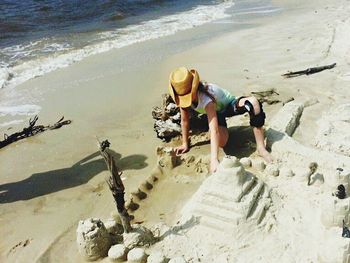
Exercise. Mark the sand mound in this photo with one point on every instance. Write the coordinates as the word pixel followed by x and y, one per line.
pixel 332 127
pixel 286 212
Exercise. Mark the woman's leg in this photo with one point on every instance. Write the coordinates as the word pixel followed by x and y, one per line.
pixel 260 144
pixel 258 131
pixel 223 136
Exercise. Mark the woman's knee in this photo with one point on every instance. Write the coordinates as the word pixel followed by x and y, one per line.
pixel 256 104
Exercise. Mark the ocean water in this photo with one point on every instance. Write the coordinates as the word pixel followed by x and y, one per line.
pixel 39 36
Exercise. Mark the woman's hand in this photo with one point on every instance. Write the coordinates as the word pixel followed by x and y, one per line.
pixel 185 127
pixel 214 163
pixel 181 149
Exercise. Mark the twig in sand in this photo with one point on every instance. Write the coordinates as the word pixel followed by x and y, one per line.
pixel 32 130
pixel 115 184
pixel 308 71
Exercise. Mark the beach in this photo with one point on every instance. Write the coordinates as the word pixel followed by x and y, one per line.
pixel 51 181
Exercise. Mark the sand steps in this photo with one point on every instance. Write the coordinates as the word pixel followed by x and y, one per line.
pixel 222 203
pixel 221 196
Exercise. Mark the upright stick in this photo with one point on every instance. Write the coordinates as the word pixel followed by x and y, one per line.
pixel 115 185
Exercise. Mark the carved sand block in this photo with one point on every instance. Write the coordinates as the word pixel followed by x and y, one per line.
pixel 232 167
pixel 228 203
pixel 292 152
pixel 333 250
pixel 345 249
pixel 334 211
pixel 272 170
pixel 139 195
pixel 332 126
pixel 246 162
pixel 131 205
pixel 167 160
pixel 117 253
pixel 93 239
pixel 288 118
pixel 340 176
pixel 137 255
pixel 166 157
pixel 229 197
pixel 146 186
pixel 156 173
pixel 258 164
pixel 113 226
pixel 156 257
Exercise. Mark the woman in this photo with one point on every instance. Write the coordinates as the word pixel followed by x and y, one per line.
pixel 187 91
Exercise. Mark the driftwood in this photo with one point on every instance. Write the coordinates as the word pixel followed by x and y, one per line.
pixel 167 119
pixel 270 96
pixel 267 96
pixel 308 71
pixel 32 130
pixel 115 185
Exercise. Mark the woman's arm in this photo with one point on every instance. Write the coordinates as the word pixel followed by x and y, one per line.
pixel 185 128
pixel 214 135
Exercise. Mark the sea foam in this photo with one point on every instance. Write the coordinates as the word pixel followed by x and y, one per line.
pixel 27 110
pixel 11 76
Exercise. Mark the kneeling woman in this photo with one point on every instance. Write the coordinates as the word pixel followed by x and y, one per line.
pixel 187 91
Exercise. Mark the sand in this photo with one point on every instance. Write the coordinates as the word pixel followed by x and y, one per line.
pixel 51 181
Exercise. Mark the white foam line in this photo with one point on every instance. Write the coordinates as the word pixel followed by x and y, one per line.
pixel 14 122
pixel 254 8
pixel 259 12
pixel 20 110
pixel 122 37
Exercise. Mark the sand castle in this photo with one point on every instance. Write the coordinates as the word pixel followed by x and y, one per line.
pixel 287 211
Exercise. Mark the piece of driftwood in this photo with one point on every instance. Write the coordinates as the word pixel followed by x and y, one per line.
pixel 167 119
pixel 168 110
pixel 308 71
pixel 116 185
pixel 267 96
pixel 32 130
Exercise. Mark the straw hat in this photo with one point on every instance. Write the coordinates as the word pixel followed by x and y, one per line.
pixel 183 83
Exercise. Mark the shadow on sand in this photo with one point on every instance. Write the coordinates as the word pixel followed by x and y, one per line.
pixel 241 141
pixel 40 184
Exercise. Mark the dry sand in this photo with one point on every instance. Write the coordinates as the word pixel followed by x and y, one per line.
pixel 51 181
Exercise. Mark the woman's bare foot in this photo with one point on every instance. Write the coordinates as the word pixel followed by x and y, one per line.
pixel 265 154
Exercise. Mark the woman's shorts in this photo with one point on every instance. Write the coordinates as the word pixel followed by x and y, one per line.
pixel 229 111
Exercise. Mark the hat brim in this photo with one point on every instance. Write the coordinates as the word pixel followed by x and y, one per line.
pixel 185 101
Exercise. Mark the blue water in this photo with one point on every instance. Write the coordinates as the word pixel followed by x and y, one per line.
pixel 22 20
pixel 38 36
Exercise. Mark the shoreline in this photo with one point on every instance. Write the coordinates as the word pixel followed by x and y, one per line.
pixel 158 27
pixel 52 158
